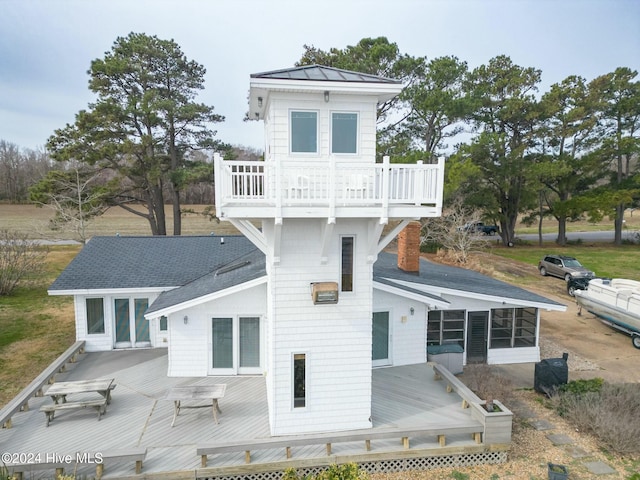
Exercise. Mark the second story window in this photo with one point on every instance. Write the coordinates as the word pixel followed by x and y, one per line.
pixel 304 132
pixel 346 284
pixel 344 132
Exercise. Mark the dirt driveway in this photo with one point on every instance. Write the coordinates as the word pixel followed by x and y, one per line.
pixel 618 361
pixel 595 350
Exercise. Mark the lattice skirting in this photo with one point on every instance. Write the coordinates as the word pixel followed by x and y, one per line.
pixel 391 466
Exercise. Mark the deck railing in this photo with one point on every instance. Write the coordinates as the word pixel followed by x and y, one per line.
pixel 331 183
pixel 21 401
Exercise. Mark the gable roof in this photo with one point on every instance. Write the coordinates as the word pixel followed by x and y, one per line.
pixel 193 269
pixel 323 74
pixel 445 278
pixel 147 262
pixel 239 271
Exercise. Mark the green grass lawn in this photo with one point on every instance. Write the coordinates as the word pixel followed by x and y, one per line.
pixel 605 260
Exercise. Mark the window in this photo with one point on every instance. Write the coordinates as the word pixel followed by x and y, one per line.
pixel 163 323
pixel 346 284
pixel 513 327
pixel 524 334
pixel 344 133
pixel 299 380
pixel 304 132
pixel 445 326
pixel 95 315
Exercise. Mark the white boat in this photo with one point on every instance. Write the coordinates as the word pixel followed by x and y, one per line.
pixel 616 302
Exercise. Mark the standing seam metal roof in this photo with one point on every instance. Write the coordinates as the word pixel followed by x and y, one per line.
pixel 324 74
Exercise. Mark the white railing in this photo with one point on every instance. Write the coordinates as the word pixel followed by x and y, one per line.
pixel 328 182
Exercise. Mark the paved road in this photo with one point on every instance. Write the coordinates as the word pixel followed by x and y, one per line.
pixel 600 236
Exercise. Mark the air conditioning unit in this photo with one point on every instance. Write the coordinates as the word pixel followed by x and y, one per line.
pixel 324 293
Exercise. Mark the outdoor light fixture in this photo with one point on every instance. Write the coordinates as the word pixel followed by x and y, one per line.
pixel 324 293
pixel 186 319
pixel 260 102
pixel 326 96
pixel 412 311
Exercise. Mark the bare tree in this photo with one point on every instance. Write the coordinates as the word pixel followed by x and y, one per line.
pixel 76 196
pixel 452 231
pixel 20 258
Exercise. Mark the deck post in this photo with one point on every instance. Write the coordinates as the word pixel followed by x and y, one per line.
pixel 328 449
pixel 247 456
pixel 442 440
pixel 203 460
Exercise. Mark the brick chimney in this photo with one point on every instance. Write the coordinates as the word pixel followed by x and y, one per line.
pixel 409 248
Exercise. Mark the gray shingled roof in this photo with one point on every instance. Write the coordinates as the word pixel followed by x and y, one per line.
pixel 139 262
pixel 324 74
pixel 238 271
pixel 199 266
pixel 444 276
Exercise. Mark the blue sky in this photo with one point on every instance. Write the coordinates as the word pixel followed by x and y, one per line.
pixel 46 46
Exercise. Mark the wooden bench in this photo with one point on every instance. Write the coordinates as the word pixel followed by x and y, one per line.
pixel 455 385
pixel 130 454
pixel 440 432
pixel 20 403
pixel 136 455
pixel 50 410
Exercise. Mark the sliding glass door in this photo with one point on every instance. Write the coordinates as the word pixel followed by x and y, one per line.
pixel 235 346
pixel 131 333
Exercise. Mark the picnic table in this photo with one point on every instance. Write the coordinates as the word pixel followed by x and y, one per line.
pixel 197 393
pixel 59 391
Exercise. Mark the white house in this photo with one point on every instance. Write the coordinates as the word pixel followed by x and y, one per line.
pixel 306 297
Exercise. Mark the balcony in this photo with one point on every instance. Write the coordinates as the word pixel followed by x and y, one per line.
pixel 327 189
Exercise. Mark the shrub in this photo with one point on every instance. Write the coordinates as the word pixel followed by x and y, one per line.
pixel 19 259
pixel 485 383
pixel 579 387
pixel 610 413
pixel 347 471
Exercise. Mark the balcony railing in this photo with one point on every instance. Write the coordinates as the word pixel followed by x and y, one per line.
pixel 329 183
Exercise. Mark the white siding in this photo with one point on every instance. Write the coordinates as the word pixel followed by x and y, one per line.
pixel 93 343
pixel 408 332
pixel 106 341
pixel 189 354
pixel 499 356
pixel 336 339
pixel 281 104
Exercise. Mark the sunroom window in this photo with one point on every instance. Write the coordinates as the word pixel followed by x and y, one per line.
pixel 304 132
pixel 445 327
pixel 344 132
pixel 513 327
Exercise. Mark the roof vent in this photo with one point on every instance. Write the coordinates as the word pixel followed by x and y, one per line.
pixel 231 267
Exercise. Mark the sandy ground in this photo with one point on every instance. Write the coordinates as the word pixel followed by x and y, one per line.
pixel 614 357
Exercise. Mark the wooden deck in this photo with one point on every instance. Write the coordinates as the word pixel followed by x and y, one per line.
pixel 403 397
